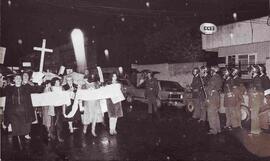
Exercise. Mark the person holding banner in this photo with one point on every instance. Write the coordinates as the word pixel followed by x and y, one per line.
pixel 70 86
pixel 19 111
pixel 114 110
pixel 48 113
pixel 92 110
pixel 59 110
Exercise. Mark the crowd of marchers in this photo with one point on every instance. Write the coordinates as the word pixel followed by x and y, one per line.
pixel 209 84
pixel 19 113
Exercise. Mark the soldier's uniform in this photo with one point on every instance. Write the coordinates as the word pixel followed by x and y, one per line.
pixel 196 93
pixel 205 79
pixel 229 100
pixel 264 114
pixel 213 102
pixel 238 90
pixel 151 93
pixel 256 100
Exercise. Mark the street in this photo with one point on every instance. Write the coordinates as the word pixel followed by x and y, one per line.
pixel 174 137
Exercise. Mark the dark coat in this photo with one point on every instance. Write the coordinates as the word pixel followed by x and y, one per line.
pixel 196 87
pixel 213 88
pixel 265 82
pixel 152 88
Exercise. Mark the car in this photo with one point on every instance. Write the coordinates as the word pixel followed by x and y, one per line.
pixel 171 93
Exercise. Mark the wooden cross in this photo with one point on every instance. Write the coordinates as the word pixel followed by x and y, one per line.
pixel 43 50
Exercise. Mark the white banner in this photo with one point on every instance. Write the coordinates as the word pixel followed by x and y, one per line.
pixel 2 54
pixel 58 98
pixel 110 91
pixel 3 102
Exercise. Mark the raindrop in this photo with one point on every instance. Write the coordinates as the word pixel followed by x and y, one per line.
pixel 20 41
pixel 106 52
pixel 93 27
pixel 93 41
pixel 235 16
pixel 168 158
pixel 122 19
pixel 186 3
pixel 9 2
pixel 147 4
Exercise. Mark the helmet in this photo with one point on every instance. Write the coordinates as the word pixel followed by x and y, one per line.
pixel 261 68
pixel 195 71
pixel 215 69
pixel 235 71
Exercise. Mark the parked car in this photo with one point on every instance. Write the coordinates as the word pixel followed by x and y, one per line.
pixel 170 93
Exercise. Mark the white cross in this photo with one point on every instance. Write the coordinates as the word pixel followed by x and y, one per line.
pixel 43 50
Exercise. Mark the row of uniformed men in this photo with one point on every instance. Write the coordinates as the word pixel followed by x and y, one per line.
pixel 206 90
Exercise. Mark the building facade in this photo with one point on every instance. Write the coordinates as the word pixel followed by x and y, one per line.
pixel 241 44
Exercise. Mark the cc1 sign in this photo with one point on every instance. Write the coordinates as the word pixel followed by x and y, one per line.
pixel 208 28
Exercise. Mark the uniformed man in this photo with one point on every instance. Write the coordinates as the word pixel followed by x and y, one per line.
pixel 238 90
pixel 213 100
pixel 264 78
pixel 264 112
pixel 205 76
pixel 229 101
pixel 151 93
pixel 196 86
pixel 256 99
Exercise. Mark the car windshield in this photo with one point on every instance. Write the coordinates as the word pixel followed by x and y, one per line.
pixel 171 86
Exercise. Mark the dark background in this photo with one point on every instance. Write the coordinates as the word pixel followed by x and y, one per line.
pixel 166 31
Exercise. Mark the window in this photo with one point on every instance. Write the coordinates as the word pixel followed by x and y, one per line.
pixel 245 60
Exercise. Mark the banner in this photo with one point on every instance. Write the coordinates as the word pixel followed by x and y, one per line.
pixel 58 98
pixel 112 91
pixel 3 102
pixel 2 54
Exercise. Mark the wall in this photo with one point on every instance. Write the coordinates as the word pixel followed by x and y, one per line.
pixel 180 72
pixel 262 49
pixel 244 32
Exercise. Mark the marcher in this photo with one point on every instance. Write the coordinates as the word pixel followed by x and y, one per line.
pixel 19 110
pixel 213 100
pixel 70 86
pixel 48 113
pixel 196 86
pixel 59 111
pixel 92 110
pixel 114 110
pixel 205 76
pixel 256 99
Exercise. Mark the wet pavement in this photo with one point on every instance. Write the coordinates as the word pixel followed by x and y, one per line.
pixel 174 137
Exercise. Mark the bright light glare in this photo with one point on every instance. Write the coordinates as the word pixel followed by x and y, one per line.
pixel 78 45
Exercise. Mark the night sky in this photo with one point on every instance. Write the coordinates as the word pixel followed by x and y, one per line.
pixel 118 25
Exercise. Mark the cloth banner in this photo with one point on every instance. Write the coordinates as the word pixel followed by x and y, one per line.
pixel 2 54
pixel 103 105
pixel 112 91
pixel 58 98
pixel 3 103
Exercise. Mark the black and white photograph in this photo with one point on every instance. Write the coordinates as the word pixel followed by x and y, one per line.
pixel 135 80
